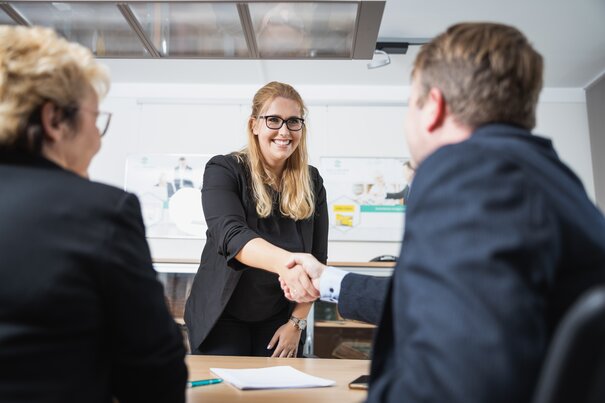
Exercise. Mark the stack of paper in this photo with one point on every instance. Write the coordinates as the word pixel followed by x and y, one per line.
pixel 282 377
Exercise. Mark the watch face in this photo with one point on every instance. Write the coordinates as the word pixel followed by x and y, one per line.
pixel 299 323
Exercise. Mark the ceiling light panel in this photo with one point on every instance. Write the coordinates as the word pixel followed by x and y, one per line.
pixel 217 29
pixel 304 30
pixel 200 30
pixel 98 26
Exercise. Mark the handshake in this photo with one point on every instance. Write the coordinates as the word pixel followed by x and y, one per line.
pixel 300 279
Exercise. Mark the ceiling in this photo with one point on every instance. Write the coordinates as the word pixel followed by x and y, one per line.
pixel 209 29
pixel 570 36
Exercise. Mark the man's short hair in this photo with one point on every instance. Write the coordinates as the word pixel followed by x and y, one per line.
pixel 487 72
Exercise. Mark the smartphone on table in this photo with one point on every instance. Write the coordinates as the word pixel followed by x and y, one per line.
pixel 360 383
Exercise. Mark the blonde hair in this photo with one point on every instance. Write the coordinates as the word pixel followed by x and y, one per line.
pixel 38 66
pixel 297 198
pixel 488 73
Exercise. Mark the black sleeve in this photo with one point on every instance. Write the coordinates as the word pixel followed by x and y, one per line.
pixel 146 345
pixel 397 195
pixel 222 200
pixel 320 226
pixel 468 303
pixel 362 297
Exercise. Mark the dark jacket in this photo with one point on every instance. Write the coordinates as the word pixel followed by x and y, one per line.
pixel 231 216
pixel 500 240
pixel 82 315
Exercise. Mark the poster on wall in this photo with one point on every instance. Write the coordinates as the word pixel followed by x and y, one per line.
pixel 168 187
pixel 366 197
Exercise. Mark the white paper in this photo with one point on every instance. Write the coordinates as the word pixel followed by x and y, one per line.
pixel 282 377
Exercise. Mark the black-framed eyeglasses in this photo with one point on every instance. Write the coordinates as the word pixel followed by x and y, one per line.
pixel 102 120
pixel 275 122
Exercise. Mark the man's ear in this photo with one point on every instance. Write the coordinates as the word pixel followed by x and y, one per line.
pixel 52 122
pixel 435 110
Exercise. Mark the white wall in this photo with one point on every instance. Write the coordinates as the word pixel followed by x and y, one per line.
pixel 343 121
pixel 595 104
pixel 562 116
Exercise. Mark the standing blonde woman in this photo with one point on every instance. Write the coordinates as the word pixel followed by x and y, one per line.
pixel 261 205
pixel 82 315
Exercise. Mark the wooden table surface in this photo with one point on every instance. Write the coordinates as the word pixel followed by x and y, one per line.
pixel 341 371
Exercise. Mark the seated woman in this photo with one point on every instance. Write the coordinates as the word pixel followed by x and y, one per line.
pixel 82 315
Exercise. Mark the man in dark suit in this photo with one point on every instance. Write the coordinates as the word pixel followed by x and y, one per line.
pixel 82 314
pixel 500 237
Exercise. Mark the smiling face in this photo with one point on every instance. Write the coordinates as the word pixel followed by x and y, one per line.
pixel 277 145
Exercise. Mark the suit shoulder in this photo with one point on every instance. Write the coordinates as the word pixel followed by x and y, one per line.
pixel 233 161
pixel 463 155
pixel 463 166
pixel 315 175
pixel 453 157
pixel 227 159
pixel 100 194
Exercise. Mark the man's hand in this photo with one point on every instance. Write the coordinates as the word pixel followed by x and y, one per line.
pixel 311 267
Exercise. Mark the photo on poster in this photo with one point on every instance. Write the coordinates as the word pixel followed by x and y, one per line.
pixel 366 197
pixel 169 190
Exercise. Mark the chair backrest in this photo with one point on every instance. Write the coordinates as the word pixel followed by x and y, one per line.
pixel 574 369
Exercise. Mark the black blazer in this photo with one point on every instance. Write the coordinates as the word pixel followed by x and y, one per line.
pixel 500 240
pixel 231 216
pixel 82 315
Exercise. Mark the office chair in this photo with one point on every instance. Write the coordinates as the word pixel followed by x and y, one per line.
pixel 574 369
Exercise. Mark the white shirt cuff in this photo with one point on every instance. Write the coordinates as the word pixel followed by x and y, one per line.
pixel 329 284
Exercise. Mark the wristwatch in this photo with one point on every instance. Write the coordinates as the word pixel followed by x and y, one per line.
pixel 301 324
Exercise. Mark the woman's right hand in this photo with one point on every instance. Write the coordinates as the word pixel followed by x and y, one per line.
pixel 299 284
pixel 312 268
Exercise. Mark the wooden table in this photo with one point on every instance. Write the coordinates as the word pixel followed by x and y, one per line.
pixel 341 371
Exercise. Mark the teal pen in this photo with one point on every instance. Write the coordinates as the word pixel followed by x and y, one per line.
pixel 204 382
